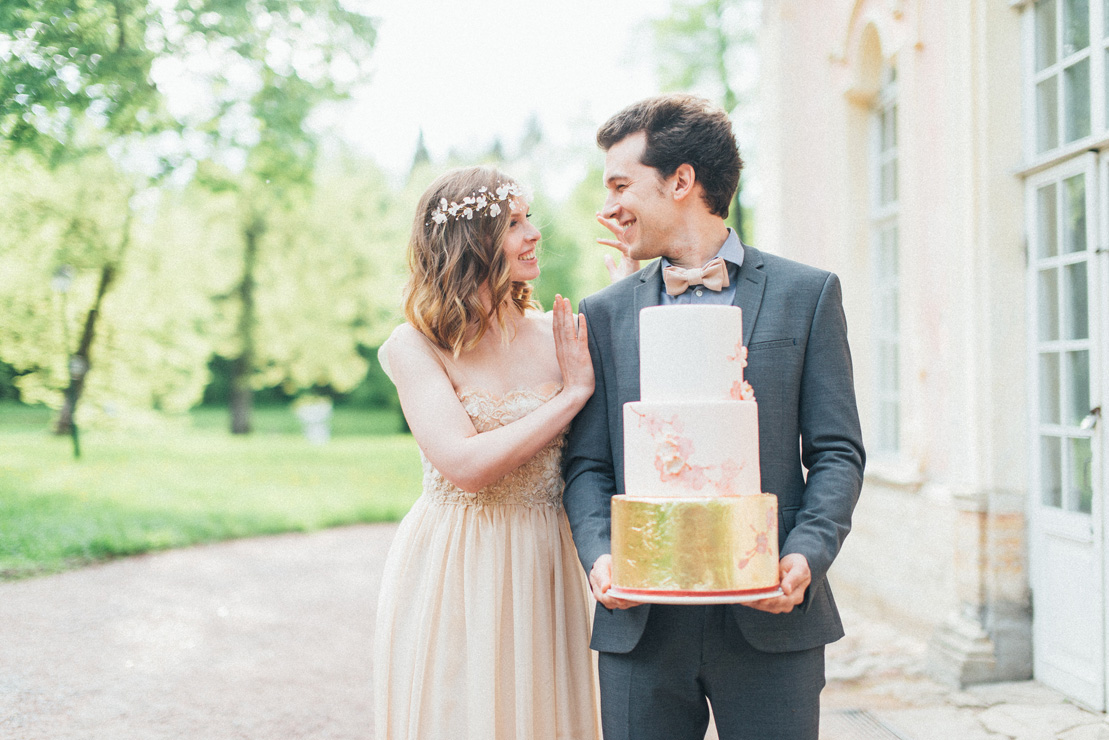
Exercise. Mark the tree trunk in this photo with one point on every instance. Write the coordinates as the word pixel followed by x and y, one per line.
pixel 242 396
pixel 80 362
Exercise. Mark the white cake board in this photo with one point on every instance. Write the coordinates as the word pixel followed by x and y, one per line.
pixel 690 600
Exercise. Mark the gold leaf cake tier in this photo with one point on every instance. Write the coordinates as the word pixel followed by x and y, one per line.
pixel 720 546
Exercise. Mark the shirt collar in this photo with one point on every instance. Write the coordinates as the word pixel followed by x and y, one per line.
pixel 731 250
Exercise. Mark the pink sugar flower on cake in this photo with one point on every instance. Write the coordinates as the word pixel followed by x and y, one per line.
pixel 742 391
pixel 669 459
pixel 740 355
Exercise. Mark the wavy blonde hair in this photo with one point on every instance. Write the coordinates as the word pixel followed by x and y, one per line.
pixel 449 264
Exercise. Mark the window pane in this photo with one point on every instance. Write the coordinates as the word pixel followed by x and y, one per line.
pixel 1077 319
pixel 1049 305
pixel 889 239
pixel 1049 388
pixel 1107 76
pixel 1076 25
pixel 1047 213
pixel 1051 468
pixel 887 367
pixel 1045 34
pixel 889 183
pixel 1081 496
pixel 1074 215
pixel 1078 387
pixel 1105 17
pixel 1076 87
pixel 888 434
pixel 1047 114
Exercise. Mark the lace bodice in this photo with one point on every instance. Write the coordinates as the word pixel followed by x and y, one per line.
pixel 538 482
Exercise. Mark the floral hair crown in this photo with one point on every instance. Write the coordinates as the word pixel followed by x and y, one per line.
pixel 483 199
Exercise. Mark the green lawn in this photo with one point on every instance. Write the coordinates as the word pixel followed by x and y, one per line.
pixel 134 493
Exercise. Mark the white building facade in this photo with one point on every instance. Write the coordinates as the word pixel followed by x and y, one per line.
pixel 949 159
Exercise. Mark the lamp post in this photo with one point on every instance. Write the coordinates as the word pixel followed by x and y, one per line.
pixel 76 365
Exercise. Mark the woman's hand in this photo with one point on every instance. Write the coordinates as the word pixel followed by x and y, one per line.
pixel 572 350
pixel 627 265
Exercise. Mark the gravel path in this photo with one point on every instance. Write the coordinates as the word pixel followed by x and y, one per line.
pixel 271 638
pixel 262 638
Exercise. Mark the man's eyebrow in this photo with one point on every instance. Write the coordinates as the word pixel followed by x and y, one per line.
pixel 614 177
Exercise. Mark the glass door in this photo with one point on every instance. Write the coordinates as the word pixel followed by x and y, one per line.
pixel 1067 542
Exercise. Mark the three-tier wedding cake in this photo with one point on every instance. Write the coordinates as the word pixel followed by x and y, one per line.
pixel 694 525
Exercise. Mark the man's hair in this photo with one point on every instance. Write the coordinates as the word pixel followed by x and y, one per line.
pixel 683 129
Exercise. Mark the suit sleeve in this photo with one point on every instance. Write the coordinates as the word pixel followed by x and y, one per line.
pixel 588 466
pixel 831 438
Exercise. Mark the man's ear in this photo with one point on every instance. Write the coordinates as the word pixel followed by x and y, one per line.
pixel 683 181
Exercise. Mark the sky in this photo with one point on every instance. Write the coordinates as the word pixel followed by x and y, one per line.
pixel 467 73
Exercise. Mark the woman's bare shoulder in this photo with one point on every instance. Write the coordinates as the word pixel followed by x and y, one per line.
pixel 406 344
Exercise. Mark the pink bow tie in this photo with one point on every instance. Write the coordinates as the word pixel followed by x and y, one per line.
pixel 714 276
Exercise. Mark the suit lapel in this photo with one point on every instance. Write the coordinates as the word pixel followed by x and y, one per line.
pixel 750 284
pixel 647 293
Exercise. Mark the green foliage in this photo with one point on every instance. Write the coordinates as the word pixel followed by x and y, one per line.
pixel 702 43
pixel 137 494
pixel 150 351
pixel 709 46
pixel 571 262
pixel 70 65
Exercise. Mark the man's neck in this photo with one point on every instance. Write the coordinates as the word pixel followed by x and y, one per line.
pixel 697 242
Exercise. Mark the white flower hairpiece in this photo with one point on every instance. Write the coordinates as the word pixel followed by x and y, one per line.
pixel 481 200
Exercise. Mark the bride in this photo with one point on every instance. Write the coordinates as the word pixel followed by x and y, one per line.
pixel 482 624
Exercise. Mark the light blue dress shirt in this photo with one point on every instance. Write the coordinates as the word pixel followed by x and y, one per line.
pixel 732 252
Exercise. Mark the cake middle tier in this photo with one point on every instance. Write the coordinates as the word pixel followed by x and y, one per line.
pixel 691 448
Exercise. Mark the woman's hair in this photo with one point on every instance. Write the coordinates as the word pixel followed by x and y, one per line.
pixel 452 257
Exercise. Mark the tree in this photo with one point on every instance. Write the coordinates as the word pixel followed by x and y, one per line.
pixel 73 77
pixel 266 68
pixel 65 230
pixel 225 88
pixel 710 45
pixel 74 67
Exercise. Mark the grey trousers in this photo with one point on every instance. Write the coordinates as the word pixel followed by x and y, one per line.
pixel 690 654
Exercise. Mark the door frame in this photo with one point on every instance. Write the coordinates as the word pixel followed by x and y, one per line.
pixel 1046 521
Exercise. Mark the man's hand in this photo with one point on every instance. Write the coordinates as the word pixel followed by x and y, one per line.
pixel 627 265
pixel 796 577
pixel 600 581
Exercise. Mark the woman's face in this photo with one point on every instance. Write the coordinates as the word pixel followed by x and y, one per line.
pixel 519 243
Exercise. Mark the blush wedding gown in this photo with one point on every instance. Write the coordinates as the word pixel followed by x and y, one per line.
pixel 482 627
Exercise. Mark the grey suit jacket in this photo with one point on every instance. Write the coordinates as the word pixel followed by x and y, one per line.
pixel 799 365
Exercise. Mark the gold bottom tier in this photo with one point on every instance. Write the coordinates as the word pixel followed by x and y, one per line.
pixel 725 545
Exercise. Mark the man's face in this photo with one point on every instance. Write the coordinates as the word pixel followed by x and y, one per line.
pixel 638 199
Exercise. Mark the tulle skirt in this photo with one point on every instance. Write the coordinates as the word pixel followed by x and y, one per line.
pixel 483 628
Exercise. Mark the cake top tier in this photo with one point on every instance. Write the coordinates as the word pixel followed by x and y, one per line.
pixel 692 353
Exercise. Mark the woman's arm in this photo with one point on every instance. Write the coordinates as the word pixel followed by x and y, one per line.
pixel 467 458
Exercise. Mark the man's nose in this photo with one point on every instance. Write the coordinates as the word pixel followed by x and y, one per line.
pixel 610 207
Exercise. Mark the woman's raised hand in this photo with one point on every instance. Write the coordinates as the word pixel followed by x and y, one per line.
pixel 627 265
pixel 572 350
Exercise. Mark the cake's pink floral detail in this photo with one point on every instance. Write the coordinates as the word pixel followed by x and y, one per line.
pixel 673 452
pixel 740 355
pixel 762 540
pixel 742 391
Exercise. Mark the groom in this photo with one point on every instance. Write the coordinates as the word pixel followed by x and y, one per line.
pixel 671 171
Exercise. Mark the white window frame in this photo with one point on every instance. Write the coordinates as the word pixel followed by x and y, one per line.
pixel 885 284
